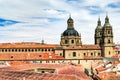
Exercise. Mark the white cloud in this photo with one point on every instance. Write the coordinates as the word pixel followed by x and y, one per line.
pixel 36 25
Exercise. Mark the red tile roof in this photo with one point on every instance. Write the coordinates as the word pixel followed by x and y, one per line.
pixel 77 70
pixel 62 71
pixel 39 45
pixel 109 76
pixel 13 75
pixel 26 45
pixel 22 65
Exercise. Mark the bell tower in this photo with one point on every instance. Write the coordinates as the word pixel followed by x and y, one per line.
pixel 98 33
pixel 107 39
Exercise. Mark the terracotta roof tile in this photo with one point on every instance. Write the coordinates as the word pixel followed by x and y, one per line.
pixel 26 45
pixel 109 76
pixel 13 75
pixel 16 72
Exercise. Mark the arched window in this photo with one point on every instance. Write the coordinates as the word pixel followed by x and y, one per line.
pixel 52 49
pixel 48 49
pixel 108 41
pixel 66 41
pixel 60 54
pixel 84 54
pixel 12 50
pixel 45 49
pixel 72 41
pixel 108 32
pixel 26 50
pixel 29 50
pixel 5 50
pixel 98 54
pixel 91 54
pixel 32 50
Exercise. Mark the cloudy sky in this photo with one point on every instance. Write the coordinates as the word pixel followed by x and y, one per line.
pixel 34 20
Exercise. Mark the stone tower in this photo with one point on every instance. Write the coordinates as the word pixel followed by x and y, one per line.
pixel 70 36
pixel 98 33
pixel 107 39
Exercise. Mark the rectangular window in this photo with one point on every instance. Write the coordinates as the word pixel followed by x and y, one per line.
pixel 40 61
pixel 74 54
pixel 109 53
pixel 53 61
pixel 47 61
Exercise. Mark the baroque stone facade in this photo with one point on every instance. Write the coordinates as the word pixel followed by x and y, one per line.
pixel 70 49
pixel 104 38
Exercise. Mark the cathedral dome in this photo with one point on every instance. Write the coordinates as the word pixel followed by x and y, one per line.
pixel 70 32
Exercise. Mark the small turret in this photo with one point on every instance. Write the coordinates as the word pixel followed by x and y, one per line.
pixel 99 22
pixel 70 22
pixel 107 28
pixel 107 24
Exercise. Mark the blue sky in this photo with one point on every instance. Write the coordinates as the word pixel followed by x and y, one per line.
pixel 34 20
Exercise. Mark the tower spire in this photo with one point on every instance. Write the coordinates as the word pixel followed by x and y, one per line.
pixel 70 22
pixel 98 32
pixel 99 21
pixel 107 18
pixel 92 73
pixel 70 15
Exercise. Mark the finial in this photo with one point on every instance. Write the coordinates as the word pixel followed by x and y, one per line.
pixel 99 22
pixel 70 15
pixel 106 19
pixel 106 14
pixel 99 18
